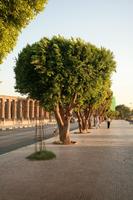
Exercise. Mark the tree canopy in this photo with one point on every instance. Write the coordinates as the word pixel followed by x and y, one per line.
pixel 93 101
pixel 54 71
pixel 15 15
pixel 62 73
pixel 123 111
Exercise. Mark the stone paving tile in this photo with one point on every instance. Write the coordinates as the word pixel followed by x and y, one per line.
pixel 98 167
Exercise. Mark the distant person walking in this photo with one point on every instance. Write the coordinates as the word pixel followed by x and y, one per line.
pixel 108 122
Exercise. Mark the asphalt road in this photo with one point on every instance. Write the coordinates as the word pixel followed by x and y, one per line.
pixel 17 138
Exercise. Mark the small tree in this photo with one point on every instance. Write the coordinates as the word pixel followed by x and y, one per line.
pixel 15 15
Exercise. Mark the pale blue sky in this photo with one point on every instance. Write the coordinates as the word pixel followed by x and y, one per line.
pixel 105 23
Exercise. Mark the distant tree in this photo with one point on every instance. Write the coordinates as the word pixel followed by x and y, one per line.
pixel 97 105
pixel 124 111
pixel 105 104
pixel 95 100
pixel 15 15
pixel 113 114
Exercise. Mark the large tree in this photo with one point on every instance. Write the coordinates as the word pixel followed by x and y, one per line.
pixel 55 71
pixel 15 15
pixel 58 72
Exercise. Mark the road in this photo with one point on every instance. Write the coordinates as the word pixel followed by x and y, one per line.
pixel 17 138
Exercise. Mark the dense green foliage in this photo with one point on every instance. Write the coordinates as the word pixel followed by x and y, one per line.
pixel 112 114
pixel 55 70
pixel 97 100
pixel 124 112
pixel 64 74
pixel 15 15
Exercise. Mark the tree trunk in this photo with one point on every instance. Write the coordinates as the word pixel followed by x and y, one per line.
pixel 64 132
pixel 63 116
pixel 82 122
pixel 63 121
pixel 79 122
pixel 85 125
pixel 89 116
pixel 89 123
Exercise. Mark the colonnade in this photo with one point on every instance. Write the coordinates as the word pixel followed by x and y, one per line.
pixel 17 109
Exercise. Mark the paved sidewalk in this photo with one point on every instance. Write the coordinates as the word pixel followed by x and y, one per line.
pixel 98 167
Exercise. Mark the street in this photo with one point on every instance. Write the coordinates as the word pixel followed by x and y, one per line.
pixel 17 138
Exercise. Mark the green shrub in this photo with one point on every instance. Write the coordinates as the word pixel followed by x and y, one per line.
pixel 42 155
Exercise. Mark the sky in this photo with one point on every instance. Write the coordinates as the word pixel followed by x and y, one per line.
pixel 106 23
